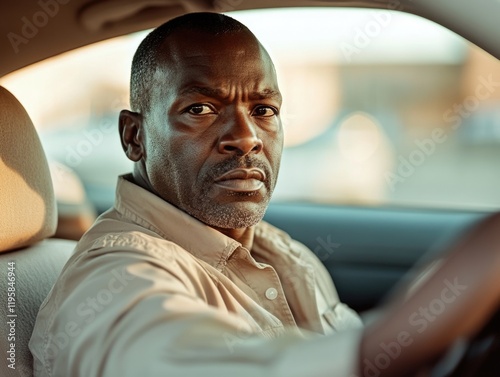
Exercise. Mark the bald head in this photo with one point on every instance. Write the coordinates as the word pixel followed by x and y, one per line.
pixel 154 50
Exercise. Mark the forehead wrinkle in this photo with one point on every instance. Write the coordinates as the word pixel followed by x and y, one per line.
pixel 219 93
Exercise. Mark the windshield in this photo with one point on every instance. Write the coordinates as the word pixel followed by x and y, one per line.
pixel 380 108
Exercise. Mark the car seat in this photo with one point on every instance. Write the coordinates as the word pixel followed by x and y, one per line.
pixel 29 262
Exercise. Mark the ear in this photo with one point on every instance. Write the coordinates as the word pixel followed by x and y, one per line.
pixel 131 134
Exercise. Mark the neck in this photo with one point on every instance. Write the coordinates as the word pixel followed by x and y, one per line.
pixel 140 180
pixel 242 235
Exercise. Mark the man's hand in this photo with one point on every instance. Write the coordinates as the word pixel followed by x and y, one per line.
pixel 455 300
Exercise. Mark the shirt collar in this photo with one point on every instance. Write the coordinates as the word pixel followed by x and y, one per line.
pixel 148 210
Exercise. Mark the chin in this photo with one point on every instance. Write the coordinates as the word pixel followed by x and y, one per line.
pixel 235 215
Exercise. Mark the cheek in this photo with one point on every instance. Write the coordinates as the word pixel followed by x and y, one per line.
pixel 275 149
pixel 158 150
pixel 158 155
pixel 186 152
pixel 187 156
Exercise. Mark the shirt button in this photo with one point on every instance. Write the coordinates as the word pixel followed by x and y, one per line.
pixel 271 293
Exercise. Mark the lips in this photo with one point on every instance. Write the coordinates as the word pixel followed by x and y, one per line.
pixel 242 180
pixel 241 173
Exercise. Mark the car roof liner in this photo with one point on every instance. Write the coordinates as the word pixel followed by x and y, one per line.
pixel 39 29
pixel 117 14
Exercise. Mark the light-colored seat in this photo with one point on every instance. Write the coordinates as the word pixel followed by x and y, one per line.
pixel 29 264
pixel 75 212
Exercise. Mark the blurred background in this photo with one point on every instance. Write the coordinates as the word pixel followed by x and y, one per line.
pixel 380 108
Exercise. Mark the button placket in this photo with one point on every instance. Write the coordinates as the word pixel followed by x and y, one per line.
pixel 265 282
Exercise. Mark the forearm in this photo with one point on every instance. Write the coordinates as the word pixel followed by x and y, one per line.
pixel 454 301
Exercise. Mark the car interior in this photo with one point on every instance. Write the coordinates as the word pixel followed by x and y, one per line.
pixel 367 248
pixel 28 218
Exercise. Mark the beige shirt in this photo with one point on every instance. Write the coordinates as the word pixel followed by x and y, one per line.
pixel 151 291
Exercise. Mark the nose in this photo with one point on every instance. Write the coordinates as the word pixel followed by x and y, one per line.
pixel 241 139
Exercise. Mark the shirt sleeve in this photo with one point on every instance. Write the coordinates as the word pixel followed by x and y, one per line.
pixel 120 315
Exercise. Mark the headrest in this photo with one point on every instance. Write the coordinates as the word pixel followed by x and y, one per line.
pixel 27 206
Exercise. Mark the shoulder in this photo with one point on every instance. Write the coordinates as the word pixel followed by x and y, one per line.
pixel 114 236
pixel 141 255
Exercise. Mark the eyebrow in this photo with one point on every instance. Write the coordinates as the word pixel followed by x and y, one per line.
pixel 218 93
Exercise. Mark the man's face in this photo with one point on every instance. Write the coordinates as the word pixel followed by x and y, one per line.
pixel 213 134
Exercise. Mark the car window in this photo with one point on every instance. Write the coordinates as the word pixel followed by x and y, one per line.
pixel 380 108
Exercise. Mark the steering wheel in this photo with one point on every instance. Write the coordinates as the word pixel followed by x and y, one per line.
pixel 478 357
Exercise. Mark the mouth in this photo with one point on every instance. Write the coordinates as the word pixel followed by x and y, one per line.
pixel 242 180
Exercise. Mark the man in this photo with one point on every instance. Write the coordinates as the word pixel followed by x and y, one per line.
pixel 182 278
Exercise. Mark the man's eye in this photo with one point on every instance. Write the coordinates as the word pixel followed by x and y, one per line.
pixel 200 110
pixel 265 111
